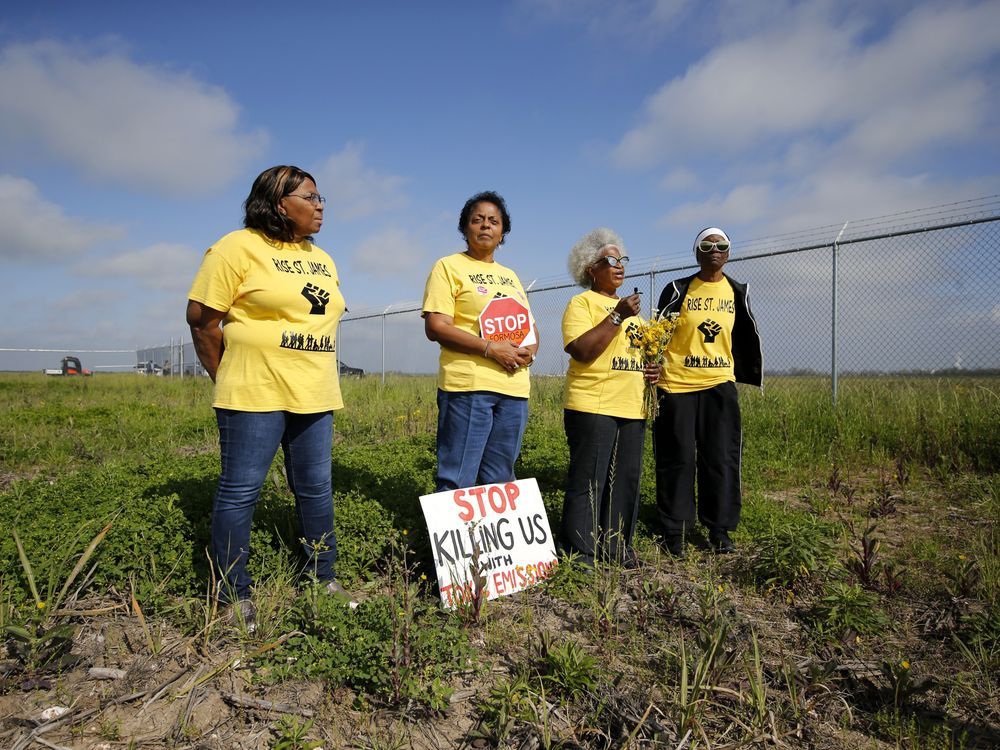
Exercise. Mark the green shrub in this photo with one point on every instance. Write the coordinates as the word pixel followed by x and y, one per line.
pixel 395 473
pixel 364 531
pixel 361 648
pixel 161 525
pixel 845 610
pixel 790 552
pixel 154 537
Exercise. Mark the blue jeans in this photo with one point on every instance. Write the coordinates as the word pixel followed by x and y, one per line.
pixel 478 438
pixel 248 442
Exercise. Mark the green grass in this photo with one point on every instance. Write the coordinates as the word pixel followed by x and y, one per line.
pixel 739 646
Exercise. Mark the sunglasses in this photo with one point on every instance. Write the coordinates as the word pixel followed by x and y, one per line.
pixel 706 247
pixel 615 262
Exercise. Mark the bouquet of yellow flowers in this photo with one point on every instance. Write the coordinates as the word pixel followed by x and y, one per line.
pixel 652 338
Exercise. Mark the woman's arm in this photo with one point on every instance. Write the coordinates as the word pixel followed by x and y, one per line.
pixel 206 333
pixel 441 328
pixel 591 345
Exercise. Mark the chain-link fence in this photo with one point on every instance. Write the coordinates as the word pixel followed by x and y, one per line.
pixel 907 294
pixel 910 294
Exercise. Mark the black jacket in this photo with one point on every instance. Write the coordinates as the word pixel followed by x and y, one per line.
pixel 748 357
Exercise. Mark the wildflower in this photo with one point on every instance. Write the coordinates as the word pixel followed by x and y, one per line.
pixel 653 337
pixel 961 557
pixel 423 576
pixel 904 664
pixel 405 532
pixel 41 605
pixel 720 587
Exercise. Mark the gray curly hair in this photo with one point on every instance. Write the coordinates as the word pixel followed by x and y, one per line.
pixel 587 251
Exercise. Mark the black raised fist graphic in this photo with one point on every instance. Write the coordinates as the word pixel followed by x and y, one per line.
pixel 318 298
pixel 710 329
pixel 634 337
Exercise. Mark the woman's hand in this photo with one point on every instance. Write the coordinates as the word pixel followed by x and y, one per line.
pixel 441 328
pixel 651 372
pixel 508 356
pixel 206 334
pixel 628 306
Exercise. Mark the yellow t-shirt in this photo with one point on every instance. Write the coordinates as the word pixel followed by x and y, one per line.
pixel 700 354
pixel 611 384
pixel 461 286
pixel 282 303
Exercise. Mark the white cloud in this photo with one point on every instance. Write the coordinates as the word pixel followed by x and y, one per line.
pixel 162 266
pixel 922 83
pixel 679 179
pixel 389 253
pixel 116 120
pixel 33 229
pixel 741 205
pixel 638 20
pixel 356 191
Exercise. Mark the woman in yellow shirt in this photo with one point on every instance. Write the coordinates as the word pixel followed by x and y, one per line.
pixel 263 312
pixel 603 415
pixel 477 310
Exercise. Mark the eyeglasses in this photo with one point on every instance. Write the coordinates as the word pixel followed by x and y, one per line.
pixel 315 198
pixel 615 262
pixel 706 247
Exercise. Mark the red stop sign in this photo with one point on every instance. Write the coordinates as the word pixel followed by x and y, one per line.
pixel 505 319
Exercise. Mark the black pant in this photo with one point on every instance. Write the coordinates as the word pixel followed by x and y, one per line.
pixel 602 488
pixel 698 430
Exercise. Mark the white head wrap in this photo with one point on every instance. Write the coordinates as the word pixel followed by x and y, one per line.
pixel 706 232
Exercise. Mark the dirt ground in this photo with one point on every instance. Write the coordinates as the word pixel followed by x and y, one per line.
pixel 198 694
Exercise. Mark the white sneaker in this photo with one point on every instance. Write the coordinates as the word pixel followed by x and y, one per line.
pixel 335 589
pixel 242 613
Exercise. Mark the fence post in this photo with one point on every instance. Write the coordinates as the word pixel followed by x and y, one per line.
pixel 384 313
pixel 652 277
pixel 833 318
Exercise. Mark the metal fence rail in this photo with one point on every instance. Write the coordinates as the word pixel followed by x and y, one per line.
pixel 910 294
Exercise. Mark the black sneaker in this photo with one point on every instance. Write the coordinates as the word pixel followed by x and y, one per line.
pixel 674 544
pixel 720 542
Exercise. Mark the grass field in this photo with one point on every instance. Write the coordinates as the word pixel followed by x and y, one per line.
pixel 862 609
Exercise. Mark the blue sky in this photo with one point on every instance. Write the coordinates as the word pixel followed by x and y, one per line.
pixel 130 134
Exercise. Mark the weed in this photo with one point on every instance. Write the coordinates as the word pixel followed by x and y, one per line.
pixel 110 729
pixel 902 476
pixel 790 554
pixel 867 566
pixel 884 503
pixel 962 578
pixel 901 684
pixel 399 647
pixel 44 639
pixel 507 704
pixel 846 610
pixel 570 581
pixel 473 597
pixel 835 481
pixel 291 734
pixel 757 685
pixel 655 601
pixel 569 669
